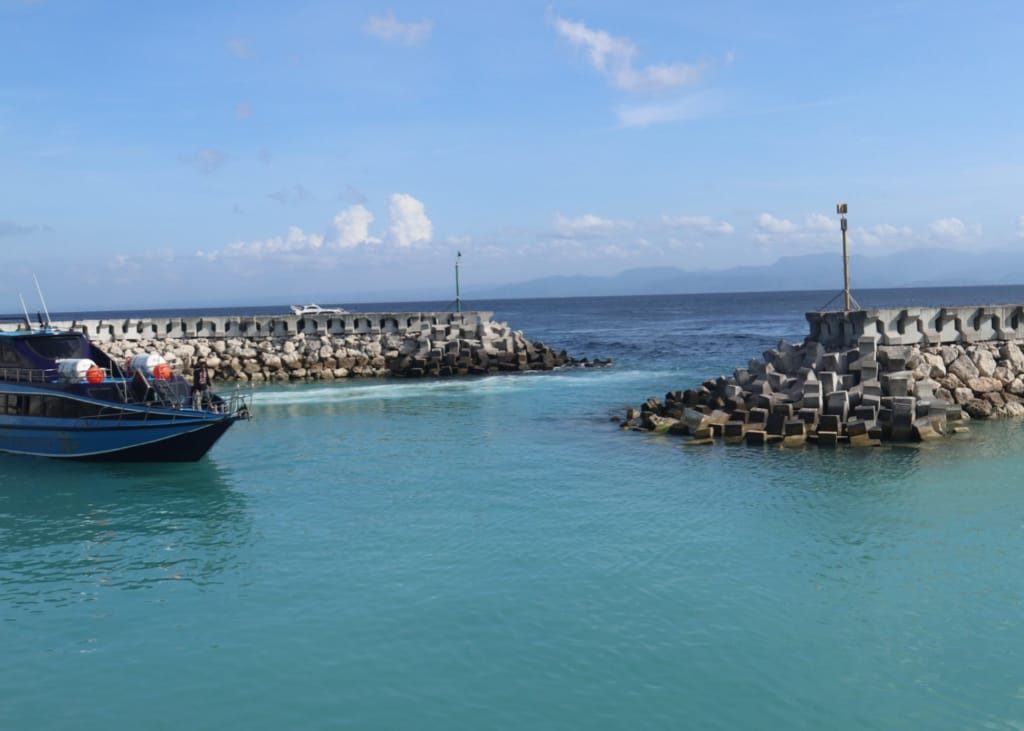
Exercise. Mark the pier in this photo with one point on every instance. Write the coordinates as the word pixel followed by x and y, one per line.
pixel 329 346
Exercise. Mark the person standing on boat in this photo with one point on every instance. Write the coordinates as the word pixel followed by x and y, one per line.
pixel 200 384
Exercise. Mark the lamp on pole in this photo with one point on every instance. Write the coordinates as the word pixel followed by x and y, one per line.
pixel 841 210
pixel 458 299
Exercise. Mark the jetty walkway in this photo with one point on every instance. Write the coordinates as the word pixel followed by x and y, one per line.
pixel 329 346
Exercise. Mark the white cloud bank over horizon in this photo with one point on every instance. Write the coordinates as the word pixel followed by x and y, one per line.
pixel 409 226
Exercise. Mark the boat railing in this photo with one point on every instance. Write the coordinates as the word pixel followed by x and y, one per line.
pixel 52 375
pixel 28 375
pixel 237 405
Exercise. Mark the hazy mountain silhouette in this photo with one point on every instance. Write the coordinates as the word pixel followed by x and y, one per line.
pixel 908 268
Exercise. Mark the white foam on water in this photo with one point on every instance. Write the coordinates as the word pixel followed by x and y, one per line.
pixel 401 389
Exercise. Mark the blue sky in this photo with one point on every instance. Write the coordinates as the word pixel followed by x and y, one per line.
pixel 245 152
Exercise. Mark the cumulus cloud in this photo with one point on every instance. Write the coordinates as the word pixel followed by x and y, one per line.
pixel 409 224
pixel 613 57
pixel 884 234
pixel 953 230
pixel 699 224
pixel 815 229
pixel 389 28
pixel 351 227
pixel 409 227
pixel 586 225
pixel 294 242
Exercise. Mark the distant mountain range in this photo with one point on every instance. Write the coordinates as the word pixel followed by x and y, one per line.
pixel 909 268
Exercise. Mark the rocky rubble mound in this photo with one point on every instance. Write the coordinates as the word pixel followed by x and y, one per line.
pixel 862 396
pixel 422 350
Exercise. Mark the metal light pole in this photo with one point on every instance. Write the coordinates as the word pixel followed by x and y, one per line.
pixel 458 299
pixel 841 210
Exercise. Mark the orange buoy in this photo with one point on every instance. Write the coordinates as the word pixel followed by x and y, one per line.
pixel 162 372
pixel 94 375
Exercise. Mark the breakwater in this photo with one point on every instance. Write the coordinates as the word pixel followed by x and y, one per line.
pixel 860 377
pixel 329 346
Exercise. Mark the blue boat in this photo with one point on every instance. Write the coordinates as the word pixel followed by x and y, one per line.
pixel 63 397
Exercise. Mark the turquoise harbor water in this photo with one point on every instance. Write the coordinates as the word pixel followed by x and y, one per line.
pixel 494 554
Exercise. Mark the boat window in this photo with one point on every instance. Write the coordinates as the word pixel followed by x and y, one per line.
pixel 10 357
pixel 53 407
pixel 10 405
pixel 58 346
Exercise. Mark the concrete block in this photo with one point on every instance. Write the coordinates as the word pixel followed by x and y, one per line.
pixel 867 345
pixel 829 423
pixel 867 412
pixel 795 427
pixel 838 404
pixel 808 416
pixel 758 416
pixel 856 427
pixel 784 409
pixel 732 432
pixel 756 437
pixel 897 384
pixel 865 440
pixel 904 414
pixel 828 439
pixel 829 382
pixel 776 423
pixel 834 362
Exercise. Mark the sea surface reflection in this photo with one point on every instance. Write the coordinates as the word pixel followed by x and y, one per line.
pixel 68 534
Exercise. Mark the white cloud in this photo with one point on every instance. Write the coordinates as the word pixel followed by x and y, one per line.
pixel 389 28
pixel 884 234
pixel 699 224
pixel 409 222
pixel 351 227
pixel 613 58
pixel 1020 227
pixel 586 225
pixel 816 229
pixel 953 230
pixel 294 242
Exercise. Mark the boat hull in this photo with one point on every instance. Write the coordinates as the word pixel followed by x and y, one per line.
pixel 182 440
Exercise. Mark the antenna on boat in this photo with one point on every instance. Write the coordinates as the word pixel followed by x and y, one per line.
pixel 28 321
pixel 40 291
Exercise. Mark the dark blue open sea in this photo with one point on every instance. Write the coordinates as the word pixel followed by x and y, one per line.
pixel 495 554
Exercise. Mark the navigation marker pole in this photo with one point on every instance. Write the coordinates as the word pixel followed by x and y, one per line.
pixel 458 299
pixel 848 300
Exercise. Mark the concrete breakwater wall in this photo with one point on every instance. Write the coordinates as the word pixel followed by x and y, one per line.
pixel 266 348
pixel 919 325
pixel 860 377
